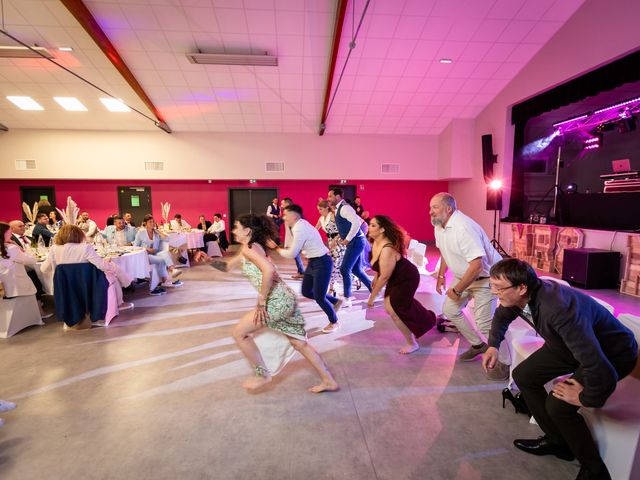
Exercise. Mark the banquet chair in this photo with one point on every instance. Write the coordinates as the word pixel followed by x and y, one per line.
pixel 80 289
pixel 18 313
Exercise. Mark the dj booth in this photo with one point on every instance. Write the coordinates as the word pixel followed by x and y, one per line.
pixel 601 211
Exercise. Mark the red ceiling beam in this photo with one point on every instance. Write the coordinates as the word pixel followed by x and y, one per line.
pixel 82 14
pixel 341 12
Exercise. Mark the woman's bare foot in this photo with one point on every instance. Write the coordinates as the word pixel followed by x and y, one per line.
pixel 325 387
pixel 409 349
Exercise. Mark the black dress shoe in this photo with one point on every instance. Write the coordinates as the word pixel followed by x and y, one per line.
pixel 542 446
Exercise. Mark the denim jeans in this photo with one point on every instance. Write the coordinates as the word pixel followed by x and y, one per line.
pixel 351 263
pixel 316 283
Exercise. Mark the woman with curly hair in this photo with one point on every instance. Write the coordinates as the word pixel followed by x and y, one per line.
pixel 388 260
pixel 268 349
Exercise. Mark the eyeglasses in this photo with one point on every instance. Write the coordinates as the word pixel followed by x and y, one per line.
pixel 500 290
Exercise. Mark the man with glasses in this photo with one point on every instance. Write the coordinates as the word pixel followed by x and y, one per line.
pixel 466 250
pixel 582 339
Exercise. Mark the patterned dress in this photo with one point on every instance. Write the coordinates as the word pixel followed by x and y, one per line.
pixel 282 306
pixel 337 252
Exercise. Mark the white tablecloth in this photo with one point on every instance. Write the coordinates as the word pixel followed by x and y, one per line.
pixel 193 239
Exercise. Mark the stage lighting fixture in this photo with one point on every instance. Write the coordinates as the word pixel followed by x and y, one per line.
pixel 571 188
pixel 592 143
pixel 495 184
pixel 627 124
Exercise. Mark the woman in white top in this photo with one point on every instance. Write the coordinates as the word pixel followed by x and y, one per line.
pixel 13 275
pixel 70 246
pixel 149 237
pixel 327 222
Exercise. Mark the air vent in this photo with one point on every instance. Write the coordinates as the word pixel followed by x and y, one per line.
pixel 233 59
pixel 23 52
pixel 390 168
pixel 274 166
pixel 153 166
pixel 25 164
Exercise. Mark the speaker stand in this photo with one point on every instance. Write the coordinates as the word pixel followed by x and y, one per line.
pixel 494 241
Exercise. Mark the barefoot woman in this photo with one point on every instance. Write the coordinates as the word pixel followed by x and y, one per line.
pixel 277 308
pixel 402 280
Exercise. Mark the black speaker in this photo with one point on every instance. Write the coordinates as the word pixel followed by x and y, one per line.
pixel 494 198
pixel 488 158
pixel 591 268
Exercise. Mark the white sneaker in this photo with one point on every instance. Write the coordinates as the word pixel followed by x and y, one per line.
pixel 347 302
pixel 332 327
pixel 125 306
pixel 6 406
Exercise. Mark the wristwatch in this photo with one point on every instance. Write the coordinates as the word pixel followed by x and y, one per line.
pixel 456 292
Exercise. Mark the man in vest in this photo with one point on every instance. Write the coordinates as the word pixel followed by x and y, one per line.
pixel 349 223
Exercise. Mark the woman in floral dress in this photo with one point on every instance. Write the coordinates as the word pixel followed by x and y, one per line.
pixel 327 222
pixel 277 308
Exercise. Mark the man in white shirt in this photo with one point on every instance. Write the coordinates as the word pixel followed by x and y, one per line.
pixel 21 240
pixel 315 283
pixel 466 250
pixel 349 227
pixel 178 223
pixel 128 219
pixel 275 213
pixel 87 225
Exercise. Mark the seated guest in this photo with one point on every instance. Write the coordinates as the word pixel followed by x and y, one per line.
pixel 120 233
pixel 41 230
pixel 149 237
pixel 14 276
pixel 54 219
pixel 87 225
pixel 582 339
pixel 178 223
pixel 18 234
pixel 21 240
pixel 70 246
pixel 218 228
pixel 204 223
pixel 128 219
pixel 109 221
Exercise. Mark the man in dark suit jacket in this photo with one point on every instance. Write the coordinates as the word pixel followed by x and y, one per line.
pixel 582 339
pixel 17 234
pixel 41 230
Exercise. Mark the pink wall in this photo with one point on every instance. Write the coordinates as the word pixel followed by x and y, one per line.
pixel 405 201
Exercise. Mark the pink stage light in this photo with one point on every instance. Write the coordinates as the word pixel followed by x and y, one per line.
pixel 495 184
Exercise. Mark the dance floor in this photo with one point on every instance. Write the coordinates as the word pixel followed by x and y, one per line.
pixel 157 395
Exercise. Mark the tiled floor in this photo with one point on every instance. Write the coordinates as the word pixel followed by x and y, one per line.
pixel 157 396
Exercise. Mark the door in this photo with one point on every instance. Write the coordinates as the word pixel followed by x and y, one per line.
pixel 45 196
pixel 248 200
pixel 136 201
pixel 348 190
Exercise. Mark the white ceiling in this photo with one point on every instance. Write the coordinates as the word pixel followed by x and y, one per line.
pixel 392 84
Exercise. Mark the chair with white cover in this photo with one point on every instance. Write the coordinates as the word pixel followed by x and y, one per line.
pixel 213 249
pixel 616 426
pixel 419 259
pixel 413 243
pixel 18 313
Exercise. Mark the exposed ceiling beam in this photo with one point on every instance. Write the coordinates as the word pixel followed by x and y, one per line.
pixel 82 14
pixel 341 12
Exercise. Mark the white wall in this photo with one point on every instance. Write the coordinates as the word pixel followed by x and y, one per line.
pixel 597 33
pixel 99 155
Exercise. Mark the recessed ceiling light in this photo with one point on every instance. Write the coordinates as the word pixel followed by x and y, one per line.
pixel 25 103
pixel 71 104
pixel 114 105
pixel 65 49
pixel 446 60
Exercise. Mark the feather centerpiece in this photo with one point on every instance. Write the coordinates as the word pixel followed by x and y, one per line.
pixel 30 214
pixel 70 214
pixel 166 207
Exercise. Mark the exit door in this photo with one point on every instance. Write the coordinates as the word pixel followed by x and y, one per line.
pixel 136 201
pixel 249 200
pixel 45 196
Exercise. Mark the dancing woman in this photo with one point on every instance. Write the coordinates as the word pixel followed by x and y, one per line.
pixel 402 279
pixel 277 307
pixel 327 222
